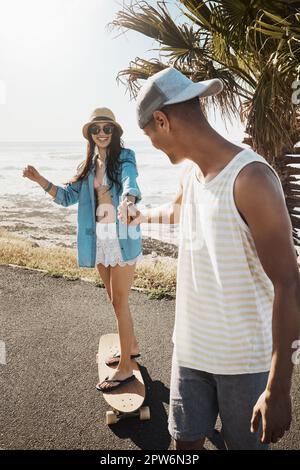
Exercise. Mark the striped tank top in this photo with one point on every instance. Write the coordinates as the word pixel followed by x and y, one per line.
pixel 224 299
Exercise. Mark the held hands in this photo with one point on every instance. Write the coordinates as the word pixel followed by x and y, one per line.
pixel 274 410
pixel 128 213
pixel 31 173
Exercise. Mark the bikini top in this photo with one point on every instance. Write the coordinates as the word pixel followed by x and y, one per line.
pixel 98 185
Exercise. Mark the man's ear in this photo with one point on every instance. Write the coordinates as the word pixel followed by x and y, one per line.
pixel 161 120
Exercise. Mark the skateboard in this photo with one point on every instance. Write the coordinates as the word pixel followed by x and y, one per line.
pixel 127 400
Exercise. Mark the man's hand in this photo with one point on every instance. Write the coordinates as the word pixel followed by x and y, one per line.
pixel 274 410
pixel 260 201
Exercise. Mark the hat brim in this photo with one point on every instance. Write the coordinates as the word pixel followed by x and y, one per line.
pixel 202 89
pixel 87 125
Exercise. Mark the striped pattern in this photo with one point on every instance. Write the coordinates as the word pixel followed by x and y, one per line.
pixel 224 298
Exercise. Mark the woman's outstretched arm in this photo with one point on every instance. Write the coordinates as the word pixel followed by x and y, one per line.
pixel 43 182
pixel 65 196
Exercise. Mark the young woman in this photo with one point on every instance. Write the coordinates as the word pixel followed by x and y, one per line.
pixel 103 181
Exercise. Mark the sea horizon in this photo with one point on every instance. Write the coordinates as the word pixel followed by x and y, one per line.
pixel 28 211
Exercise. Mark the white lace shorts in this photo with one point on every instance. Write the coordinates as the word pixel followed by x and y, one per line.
pixel 108 250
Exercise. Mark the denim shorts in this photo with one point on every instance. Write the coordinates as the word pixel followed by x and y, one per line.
pixel 197 398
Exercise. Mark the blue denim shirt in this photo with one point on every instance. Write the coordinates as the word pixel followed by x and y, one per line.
pixel 83 192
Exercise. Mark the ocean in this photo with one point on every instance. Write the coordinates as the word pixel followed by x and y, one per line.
pixel 27 210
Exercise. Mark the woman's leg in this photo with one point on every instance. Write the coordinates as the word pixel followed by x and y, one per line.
pixel 121 279
pixel 104 273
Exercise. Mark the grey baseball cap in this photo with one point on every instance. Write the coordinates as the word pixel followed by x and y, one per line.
pixel 169 86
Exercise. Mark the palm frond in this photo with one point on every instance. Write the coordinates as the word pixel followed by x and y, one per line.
pixel 253 46
pixel 139 69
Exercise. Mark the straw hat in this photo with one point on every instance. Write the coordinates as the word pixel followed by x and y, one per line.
pixel 101 114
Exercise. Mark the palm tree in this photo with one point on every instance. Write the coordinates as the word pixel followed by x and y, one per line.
pixel 254 47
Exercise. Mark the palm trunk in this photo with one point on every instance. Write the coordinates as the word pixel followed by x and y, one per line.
pixel 288 172
pixel 292 190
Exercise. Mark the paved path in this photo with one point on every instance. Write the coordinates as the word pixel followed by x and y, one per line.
pixel 51 328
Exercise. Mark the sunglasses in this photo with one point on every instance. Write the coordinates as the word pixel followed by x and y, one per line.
pixel 107 129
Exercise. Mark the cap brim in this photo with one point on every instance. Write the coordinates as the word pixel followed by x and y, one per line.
pixel 202 89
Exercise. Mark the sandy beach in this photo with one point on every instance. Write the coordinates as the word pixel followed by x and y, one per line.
pixel 51 225
pixel 28 211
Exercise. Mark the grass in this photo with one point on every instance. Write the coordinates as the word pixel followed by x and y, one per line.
pixel 157 278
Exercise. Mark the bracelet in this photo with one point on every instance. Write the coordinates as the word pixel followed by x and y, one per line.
pixel 48 187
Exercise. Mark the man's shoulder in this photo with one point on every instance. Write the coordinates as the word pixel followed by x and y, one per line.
pixel 255 174
pixel 256 184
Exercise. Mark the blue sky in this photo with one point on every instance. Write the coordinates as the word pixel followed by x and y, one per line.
pixel 58 62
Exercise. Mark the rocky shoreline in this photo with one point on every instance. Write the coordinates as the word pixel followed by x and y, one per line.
pixel 160 248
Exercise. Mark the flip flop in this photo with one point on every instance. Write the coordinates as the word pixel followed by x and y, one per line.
pixel 117 356
pixel 121 382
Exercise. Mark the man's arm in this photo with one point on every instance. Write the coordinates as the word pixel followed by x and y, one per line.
pixel 260 201
pixel 166 213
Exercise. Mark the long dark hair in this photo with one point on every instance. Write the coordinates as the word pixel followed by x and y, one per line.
pixel 113 162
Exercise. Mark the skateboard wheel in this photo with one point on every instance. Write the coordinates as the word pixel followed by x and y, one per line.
pixel 111 417
pixel 145 413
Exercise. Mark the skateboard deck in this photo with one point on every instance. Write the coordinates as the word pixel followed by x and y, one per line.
pixel 127 400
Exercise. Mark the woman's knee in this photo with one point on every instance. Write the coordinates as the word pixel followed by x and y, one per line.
pixel 108 293
pixel 104 273
pixel 119 301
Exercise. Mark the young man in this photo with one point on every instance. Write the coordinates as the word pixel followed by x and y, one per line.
pixel 238 285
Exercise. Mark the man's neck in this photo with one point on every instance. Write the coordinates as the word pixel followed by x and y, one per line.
pixel 209 150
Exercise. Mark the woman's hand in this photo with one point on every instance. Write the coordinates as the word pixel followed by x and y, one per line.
pixel 31 173
pixel 128 213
